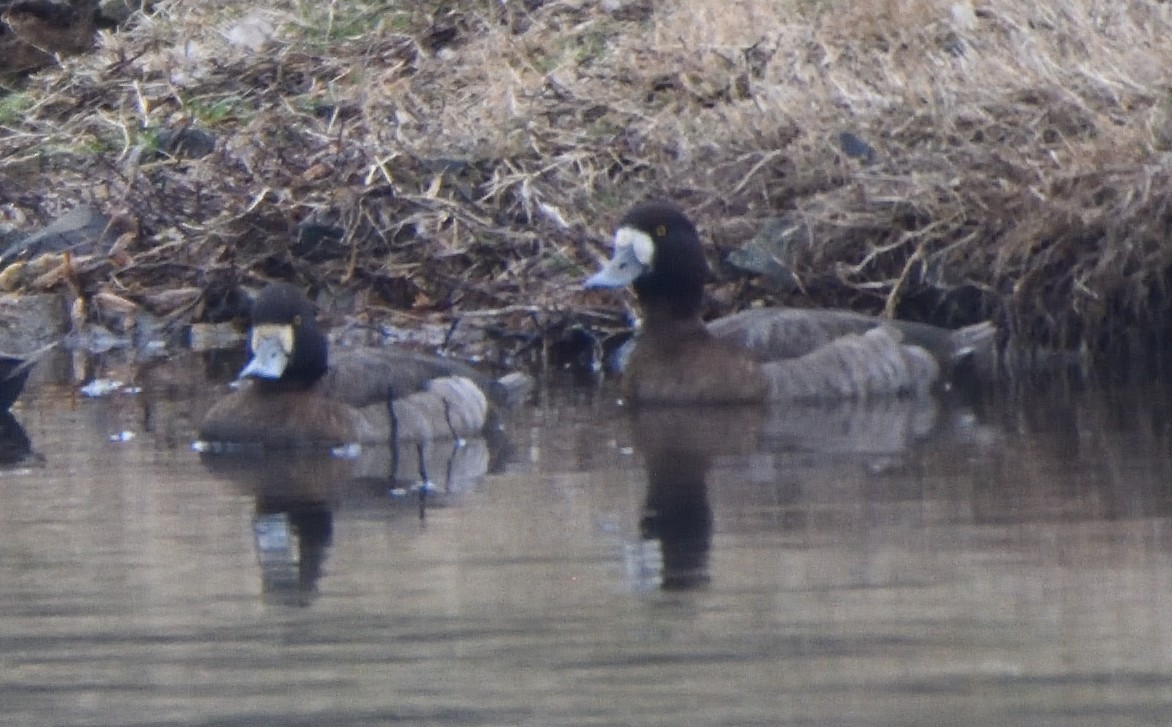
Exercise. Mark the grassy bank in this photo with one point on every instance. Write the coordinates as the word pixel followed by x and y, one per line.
pixel 432 159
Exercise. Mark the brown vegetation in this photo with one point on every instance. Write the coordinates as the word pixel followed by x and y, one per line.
pixel 468 157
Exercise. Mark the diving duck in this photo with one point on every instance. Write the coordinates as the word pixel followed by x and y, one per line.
pixel 769 354
pixel 298 394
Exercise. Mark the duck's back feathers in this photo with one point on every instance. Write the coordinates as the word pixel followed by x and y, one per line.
pixel 450 406
pixel 780 333
pixel 979 339
pixel 674 368
pixel 872 364
pixel 363 376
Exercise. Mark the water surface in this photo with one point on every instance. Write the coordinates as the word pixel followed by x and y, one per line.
pixel 897 564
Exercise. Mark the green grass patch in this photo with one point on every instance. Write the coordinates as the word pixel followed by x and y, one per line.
pixel 13 107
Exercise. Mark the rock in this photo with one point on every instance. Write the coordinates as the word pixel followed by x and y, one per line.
pixel 166 302
pixel 213 336
pixel 770 251
pixel 856 147
pixel 54 27
pixel 185 143
pixel 18 57
pixel 31 322
pixel 81 231
pixel 317 241
pixel 120 11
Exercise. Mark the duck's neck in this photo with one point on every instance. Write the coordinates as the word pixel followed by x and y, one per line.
pixel 310 359
pixel 677 293
pixel 667 318
pixel 283 385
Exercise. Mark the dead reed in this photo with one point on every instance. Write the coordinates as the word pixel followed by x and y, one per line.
pixel 467 158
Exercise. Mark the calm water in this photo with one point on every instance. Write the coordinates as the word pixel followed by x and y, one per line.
pixel 939 564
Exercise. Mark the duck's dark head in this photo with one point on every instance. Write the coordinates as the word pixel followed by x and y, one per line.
pixel 657 251
pixel 285 342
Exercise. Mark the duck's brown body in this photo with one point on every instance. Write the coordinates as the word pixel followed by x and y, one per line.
pixel 441 408
pixel 680 362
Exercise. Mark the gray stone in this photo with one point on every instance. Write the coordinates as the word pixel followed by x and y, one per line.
pixel 31 322
pixel 82 230
pixel 769 253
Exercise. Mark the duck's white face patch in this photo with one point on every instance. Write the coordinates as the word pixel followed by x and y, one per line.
pixel 633 251
pixel 638 241
pixel 272 345
pixel 280 333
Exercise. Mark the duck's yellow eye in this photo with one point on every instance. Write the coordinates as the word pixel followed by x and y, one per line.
pixel 661 231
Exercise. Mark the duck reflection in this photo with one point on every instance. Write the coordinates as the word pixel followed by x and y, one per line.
pixel 14 373
pixel 678 444
pixel 15 446
pixel 291 542
pixel 297 491
pixel 792 448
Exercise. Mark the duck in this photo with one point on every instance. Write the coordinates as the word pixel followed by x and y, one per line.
pixel 295 393
pixel 14 372
pixel 764 354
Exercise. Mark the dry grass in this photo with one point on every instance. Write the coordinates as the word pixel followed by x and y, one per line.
pixel 476 153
